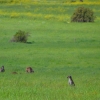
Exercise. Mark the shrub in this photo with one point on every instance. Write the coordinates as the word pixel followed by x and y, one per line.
pixel 82 14
pixel 20 36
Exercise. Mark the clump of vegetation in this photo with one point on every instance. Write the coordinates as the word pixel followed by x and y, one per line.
pixel 81 0
pixel 83 14
pixel 73 0
pixel 20 36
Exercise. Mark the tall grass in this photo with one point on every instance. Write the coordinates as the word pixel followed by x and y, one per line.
pixel 55 49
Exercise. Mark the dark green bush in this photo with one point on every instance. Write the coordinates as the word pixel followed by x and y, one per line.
pixel 83 14
pixel 20 36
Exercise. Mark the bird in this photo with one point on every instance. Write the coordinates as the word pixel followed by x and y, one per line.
pixel 70 81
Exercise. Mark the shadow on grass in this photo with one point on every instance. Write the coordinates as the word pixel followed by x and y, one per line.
pixel 30 42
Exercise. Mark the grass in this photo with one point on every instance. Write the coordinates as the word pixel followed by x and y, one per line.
pixel 59 12
pixel 54 50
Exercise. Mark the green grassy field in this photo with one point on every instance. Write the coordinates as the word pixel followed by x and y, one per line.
pixel 55 49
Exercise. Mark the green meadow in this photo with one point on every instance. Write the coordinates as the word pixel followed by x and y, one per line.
pixel 55 49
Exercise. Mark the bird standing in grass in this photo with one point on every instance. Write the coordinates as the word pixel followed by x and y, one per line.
pixel 2 69
pixel 70 81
